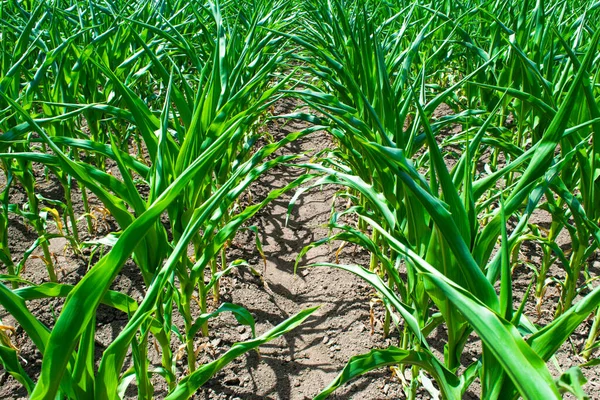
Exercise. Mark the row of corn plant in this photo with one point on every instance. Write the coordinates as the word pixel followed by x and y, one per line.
pixel 442 249
pixel 172 96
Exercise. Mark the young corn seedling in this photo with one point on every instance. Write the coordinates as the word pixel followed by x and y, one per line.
pixel 203 152
pixel 153 110
pixel 424 225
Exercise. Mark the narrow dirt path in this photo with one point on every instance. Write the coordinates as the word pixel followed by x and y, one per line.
pixel 309 358
pixel 297 366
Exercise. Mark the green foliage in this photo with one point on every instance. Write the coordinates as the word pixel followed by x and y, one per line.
pixel 157 110
pixel 173 96
pixel 436 195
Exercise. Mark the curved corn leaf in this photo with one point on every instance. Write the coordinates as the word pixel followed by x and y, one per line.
pixel 448 383
pixel 188 385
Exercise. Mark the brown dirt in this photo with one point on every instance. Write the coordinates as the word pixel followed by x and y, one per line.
pixel 294 367
pixel 308 359
pixel 303 362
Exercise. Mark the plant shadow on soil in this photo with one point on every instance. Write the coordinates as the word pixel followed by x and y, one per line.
pixel 303 362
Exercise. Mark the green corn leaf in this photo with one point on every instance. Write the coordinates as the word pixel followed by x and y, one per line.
pixel 188 385
pixel 11 364
pixel 358 365
pixel 242 315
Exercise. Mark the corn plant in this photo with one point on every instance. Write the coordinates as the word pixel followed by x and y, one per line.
pixel 156 110
pixel 431 229
pixel 195 153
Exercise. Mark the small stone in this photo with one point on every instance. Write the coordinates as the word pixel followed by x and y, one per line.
pixel 297 384
pixel 386 389
pixel 325 339
pixel 241 329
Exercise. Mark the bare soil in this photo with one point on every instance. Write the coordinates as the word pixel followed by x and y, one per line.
pixel 299 365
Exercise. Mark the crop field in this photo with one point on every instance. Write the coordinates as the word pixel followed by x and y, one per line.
pixel 291 199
